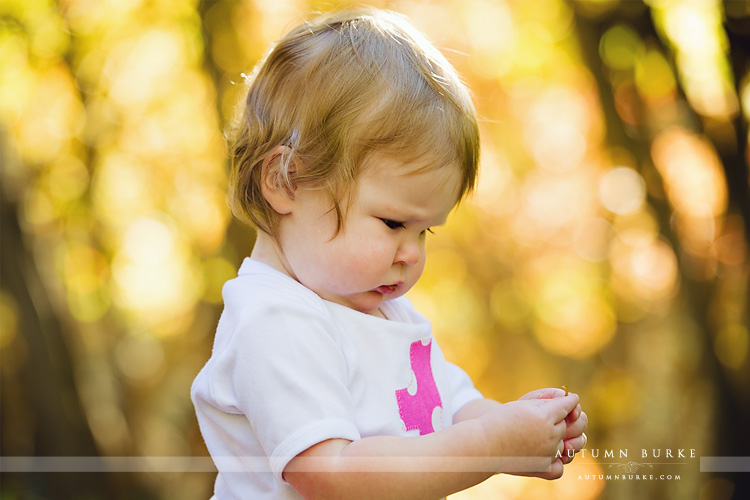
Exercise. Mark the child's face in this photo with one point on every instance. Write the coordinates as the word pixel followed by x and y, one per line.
pixel 379 253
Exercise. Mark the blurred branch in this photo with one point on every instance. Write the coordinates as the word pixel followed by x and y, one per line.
pixel 46 378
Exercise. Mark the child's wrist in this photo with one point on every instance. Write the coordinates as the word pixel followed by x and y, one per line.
pixel 486 434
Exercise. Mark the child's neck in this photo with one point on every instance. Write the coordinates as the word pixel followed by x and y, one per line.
pixel 267 251
pixel 378 313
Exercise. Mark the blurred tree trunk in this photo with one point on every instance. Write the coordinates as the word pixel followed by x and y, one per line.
pixel 735 160
pixel 734 433
pixel 42 392
pixel 731 412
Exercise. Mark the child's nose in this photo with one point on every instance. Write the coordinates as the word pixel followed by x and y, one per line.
pixel 408 253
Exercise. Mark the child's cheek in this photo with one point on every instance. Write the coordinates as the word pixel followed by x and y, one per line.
pixel 416 272
pixel 352 268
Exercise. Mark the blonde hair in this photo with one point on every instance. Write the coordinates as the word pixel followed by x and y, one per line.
pixel 338 88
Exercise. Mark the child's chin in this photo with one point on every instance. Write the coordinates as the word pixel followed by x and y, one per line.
pixel 369 305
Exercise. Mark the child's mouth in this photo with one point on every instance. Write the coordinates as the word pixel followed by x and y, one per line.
pixel 387 289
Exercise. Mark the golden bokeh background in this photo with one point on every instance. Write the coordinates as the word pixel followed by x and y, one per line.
pixel 606 247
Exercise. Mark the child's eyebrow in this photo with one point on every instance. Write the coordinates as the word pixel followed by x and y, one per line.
pixel 411 217
pixel 408 211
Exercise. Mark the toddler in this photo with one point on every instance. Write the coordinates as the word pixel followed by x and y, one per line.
pixel 357 137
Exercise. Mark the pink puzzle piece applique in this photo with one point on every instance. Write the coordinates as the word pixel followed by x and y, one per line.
pixel 416 410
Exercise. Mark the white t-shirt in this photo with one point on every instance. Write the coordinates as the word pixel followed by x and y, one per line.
pixel 289 370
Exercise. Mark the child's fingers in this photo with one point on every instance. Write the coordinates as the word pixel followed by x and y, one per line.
pixel 575 444
pixel 569 453
pixel 555 470
pixel 577 427
pixel 560 408
pixel 547 393
pixel 574 415
pixel 551 393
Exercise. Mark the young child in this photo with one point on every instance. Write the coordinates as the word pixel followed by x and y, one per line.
pixel 357 137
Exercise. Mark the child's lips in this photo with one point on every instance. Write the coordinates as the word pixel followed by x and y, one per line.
pixel 387 289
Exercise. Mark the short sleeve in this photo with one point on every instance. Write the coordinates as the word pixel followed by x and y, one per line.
pixel 462 388
pixel 291 380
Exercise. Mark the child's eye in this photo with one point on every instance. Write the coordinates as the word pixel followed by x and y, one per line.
pixel 428 230
pixel 392 224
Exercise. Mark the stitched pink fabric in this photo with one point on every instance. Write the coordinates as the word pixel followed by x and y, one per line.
pixel 416 411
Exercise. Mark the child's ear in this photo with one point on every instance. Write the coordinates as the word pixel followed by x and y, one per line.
pixel 278 170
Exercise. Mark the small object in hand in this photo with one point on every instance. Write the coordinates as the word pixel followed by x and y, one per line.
pixel 565 388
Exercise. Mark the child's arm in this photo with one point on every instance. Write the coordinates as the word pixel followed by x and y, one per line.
pixel 475 409
pixel 522 436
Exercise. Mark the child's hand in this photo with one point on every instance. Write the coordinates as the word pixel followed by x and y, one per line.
pixel 526 435
pixel 576 422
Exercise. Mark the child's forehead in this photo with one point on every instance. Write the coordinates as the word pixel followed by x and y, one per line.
pixel 426 174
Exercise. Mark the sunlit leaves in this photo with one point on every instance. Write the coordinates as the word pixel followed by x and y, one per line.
pixel 697 190
pixel 574 316
pixel 692 171
pixel 695 30
pixel 568 265
pixel 619 47
pixel 86 277
pixel 153 274
pixel 622 190
pixel 653 75
pixel 645 269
